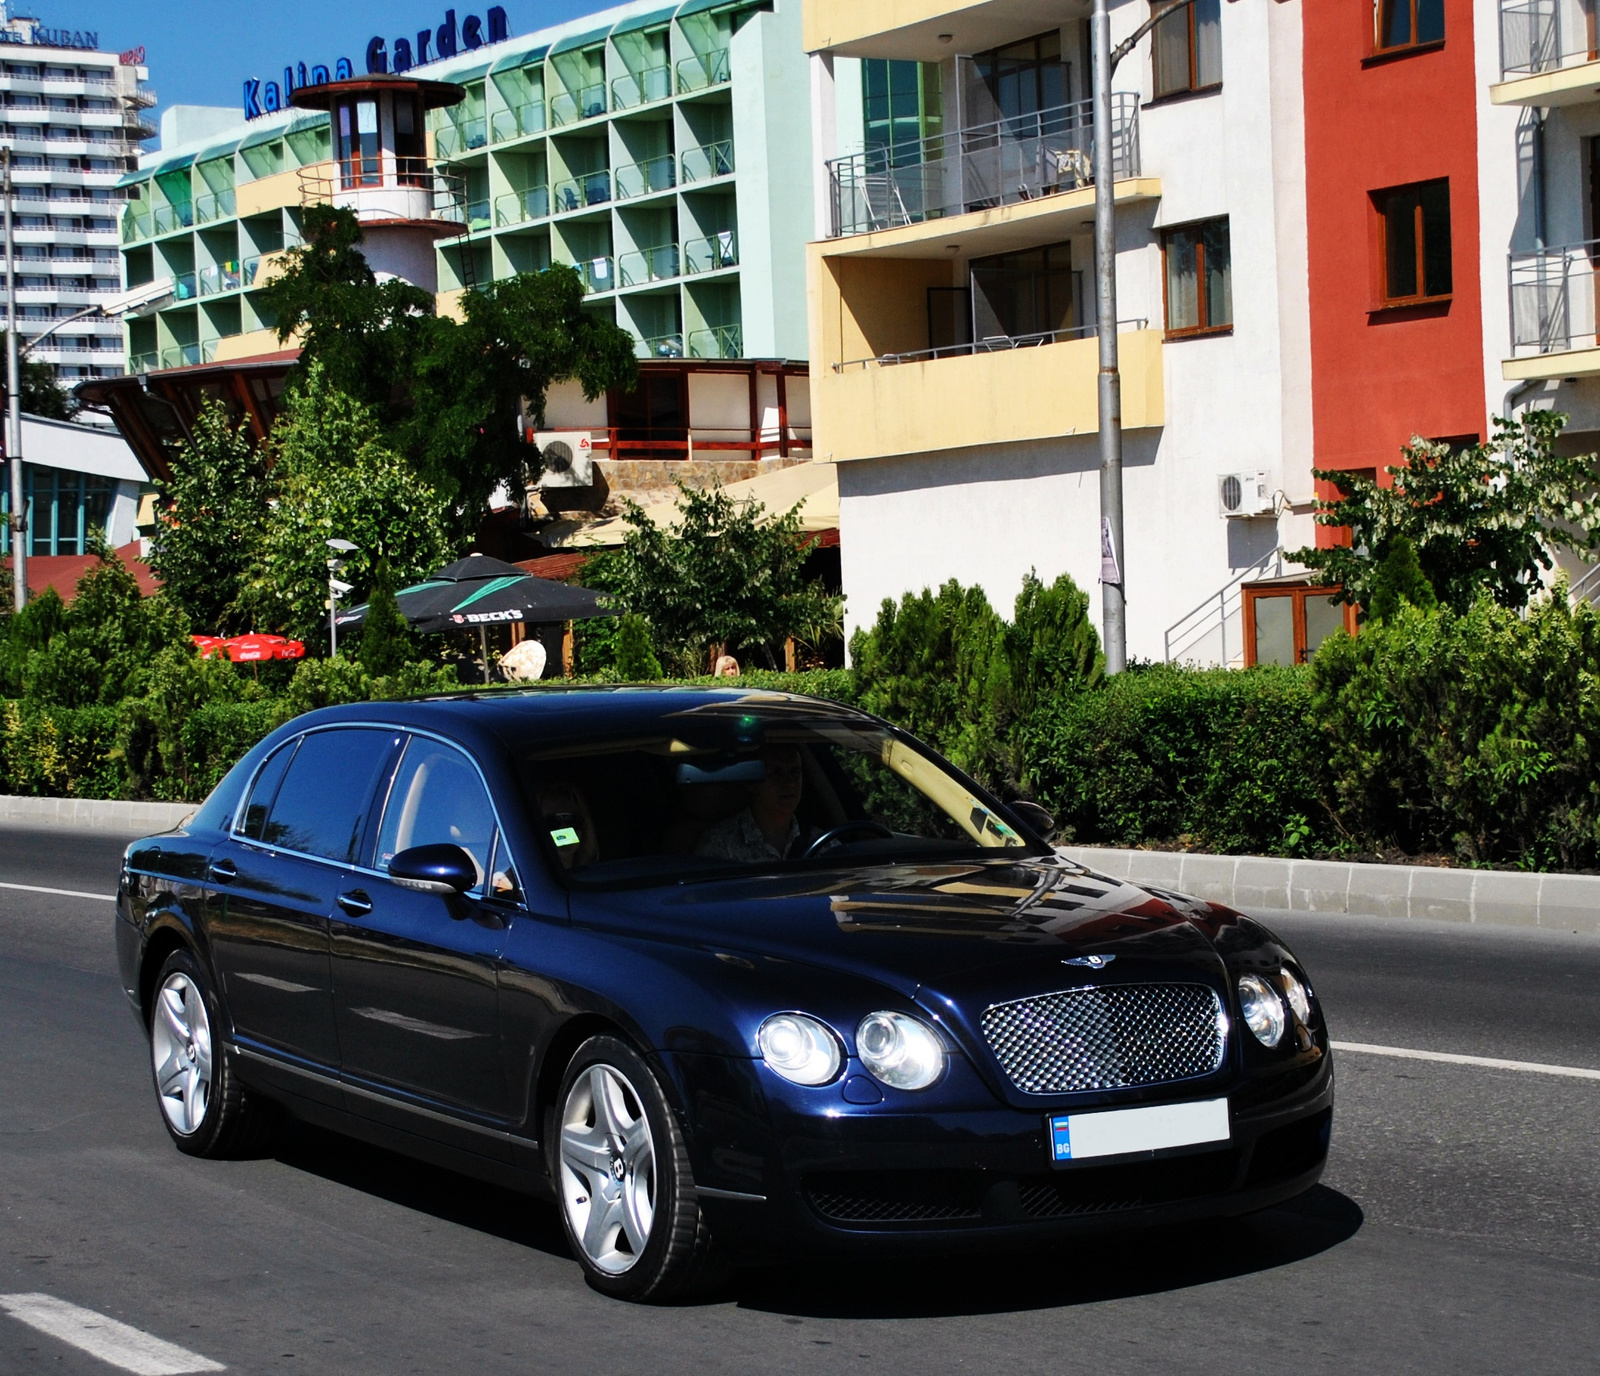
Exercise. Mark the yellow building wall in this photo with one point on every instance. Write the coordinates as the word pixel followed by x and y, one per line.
pixel 280 189
pixel 833 23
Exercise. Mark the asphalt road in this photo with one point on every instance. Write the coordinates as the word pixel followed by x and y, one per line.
pixel 1457 1229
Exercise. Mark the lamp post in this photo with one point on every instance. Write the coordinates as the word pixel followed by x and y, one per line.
pixel 19 510
pixel 1113 556
pixel 336 589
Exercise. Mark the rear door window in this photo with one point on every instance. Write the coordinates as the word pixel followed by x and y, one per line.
pixel 321 807
pixel 264 790
pixel 437 798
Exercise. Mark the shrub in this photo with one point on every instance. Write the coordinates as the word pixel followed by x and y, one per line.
pixel 385 634
pixel 59 752
pixel 636 661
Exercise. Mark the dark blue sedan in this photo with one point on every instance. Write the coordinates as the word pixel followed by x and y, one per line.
pixel 723 973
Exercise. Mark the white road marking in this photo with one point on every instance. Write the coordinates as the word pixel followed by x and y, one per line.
pixel 1489 1062
pixel 62 893
pixel 114 1343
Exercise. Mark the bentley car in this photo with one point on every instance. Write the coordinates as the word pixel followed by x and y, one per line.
pixel 723 974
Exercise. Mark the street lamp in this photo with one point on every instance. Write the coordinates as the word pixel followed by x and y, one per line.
pixel 336 589
pixel 19 510
pixel 145 299
pixel 1113 556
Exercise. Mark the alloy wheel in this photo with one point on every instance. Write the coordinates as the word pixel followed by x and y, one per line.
pixel 180 1049
pixel 608 1169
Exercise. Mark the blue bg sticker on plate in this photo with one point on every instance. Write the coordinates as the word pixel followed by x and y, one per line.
pixel 1061 1138
pixel 564 836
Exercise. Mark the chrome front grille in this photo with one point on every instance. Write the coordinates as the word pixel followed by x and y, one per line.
pixel 1115 1037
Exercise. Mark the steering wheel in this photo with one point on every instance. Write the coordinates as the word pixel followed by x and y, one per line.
pixel 831 836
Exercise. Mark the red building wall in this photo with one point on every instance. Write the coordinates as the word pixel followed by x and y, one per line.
pixel 1380 377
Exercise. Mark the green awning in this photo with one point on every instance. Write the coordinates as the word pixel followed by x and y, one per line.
pixel 172 162
pixel 521 58
pixel 462 75
pixel 263 133
pixel 703 6
pixel 224 148
pixel 656 19
pixel 579 40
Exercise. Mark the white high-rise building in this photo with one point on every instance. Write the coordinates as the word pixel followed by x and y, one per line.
pixel 74 117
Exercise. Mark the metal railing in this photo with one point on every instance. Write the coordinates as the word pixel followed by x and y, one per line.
pixel 1587 588
pixel 477 215
pixel 517 123
pixel 1185 637
pixel 570 107
pixel 704 71
pixel 167 218
pixel 720 341
pixel 146 362
pixel 214 205
pixel 577 193
pixel 979 168
pixel 646 178
pixel 136 226
pixel 712 253
pixel 367 186
pixel 220 277
pixel 1553 298
pixel 661 346
pixel 521 206
pixel 1545 35
pixel 707 161
pixel 641 88
pixel 989 344
pixel 641 266
pixel 599 274
pixel 187 355
pixel 452 139
pixel 250 269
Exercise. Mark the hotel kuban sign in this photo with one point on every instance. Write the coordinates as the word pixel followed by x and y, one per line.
pixel 429 45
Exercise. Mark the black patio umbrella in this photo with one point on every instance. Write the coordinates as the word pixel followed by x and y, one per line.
pixel 478 592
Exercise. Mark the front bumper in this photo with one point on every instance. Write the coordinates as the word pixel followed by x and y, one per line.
pixel 898 1181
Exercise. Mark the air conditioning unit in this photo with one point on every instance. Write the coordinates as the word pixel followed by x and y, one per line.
pixel 568 457
pixel 1244 494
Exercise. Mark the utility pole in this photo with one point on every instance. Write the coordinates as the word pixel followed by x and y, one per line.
pixel 19 509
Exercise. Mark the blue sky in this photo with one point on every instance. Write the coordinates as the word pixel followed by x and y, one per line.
pixel 200 54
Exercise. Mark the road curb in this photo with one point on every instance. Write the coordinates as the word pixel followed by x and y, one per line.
pixel 94 814
pixel 1558 902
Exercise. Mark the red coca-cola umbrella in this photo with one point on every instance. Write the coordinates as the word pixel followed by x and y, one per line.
pixel 246 649
pixel 209 645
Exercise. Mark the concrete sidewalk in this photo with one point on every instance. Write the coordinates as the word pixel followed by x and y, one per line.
pixel 1560 902
pixel 94 814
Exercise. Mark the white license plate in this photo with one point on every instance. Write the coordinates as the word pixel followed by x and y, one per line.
pixel 1128 1131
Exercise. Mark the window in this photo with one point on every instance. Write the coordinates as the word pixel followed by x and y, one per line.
pixel 1409 23
pixel 1199 278
pixel 903 105
pixel 1021 80
pixel 1016 294
pixel 651 421
pixel 62 507
pixel 437 799
pixel 1287 624
pixel 321 808
pixel 254 824
pixel 1187 50
pixel 1415 242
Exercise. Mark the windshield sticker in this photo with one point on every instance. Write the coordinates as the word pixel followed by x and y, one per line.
pixel 564 836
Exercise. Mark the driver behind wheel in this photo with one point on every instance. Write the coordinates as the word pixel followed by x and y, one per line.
pixel 767 829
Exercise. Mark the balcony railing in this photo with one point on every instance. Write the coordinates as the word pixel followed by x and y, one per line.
pixel 146 362
pixel 521 206
pixel 477 215
pixel 712 253
pixel 569 107
pixel 594 188
pixel 184 287
pixel 661 346
pixel 707 161
pixel 990 344
pixel 386 187
pixel 250 269
pixel 219 277
pixel 646 178
pixel 641 88
pixel 645 265
pixel 988 165
pixel 214 205
pixel 599 274
pixel 136 226
pixel 452 140
pixel 518 123
pixel 702 72
pixel 167 218
pixel 720 341
pixel 1544 35
pixel 187 355
pixel 1553 299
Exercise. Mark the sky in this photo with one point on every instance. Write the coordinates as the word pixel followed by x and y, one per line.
pixel 200 54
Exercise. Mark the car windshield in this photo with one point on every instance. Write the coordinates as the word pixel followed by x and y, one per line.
pixel 746 787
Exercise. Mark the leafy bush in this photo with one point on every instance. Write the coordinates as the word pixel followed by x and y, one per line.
pixel 1216 759
pixel 58 752
pixel 635 661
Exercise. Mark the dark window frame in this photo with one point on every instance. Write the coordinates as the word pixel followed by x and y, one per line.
pixel 1382 203
pixel 1380 12
pixel 1195 86
pixel 1203 290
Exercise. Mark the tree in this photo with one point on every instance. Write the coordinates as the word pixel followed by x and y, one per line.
pixel 385 635
pixel 636 660
pixel 40 385
pixel 1400 581
pixel 1482 518
pixel 1052 644
pixel 212 511
pixel 448 394
pixel 724 577
pixel 335 479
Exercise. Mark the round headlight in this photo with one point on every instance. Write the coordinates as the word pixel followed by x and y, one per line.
pixel 1299 999
pixel 900 1051
pixel 799 1048
pixel 1262 1008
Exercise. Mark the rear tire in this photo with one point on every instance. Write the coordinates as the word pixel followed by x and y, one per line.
pixel 621 1170
pixel 204 1108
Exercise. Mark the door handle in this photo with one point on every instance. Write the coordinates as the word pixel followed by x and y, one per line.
pixel 356 903
pixel 223 871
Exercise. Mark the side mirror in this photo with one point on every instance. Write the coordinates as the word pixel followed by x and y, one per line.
pixel 1037 818
pixel 442 869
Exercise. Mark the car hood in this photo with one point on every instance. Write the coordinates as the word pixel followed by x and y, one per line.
pixel 936 931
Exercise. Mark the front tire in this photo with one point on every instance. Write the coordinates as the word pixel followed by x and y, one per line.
pixel 204 1108
pixel 621 1170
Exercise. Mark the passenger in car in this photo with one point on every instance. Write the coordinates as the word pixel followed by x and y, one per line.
pixel 767 829
pixel 569 823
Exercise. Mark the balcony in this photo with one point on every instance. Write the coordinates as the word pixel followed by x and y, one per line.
pixel 220 277
pixel 214 205
pixel 720 341
pixel 385 188
pixel 646 265
pixel 521 206
pixel 519 123
pixel 1553 318
pixel 982 168
pixel 713 253
pixel 571 107
pixel 702 72
pixel 599 274
pixel 641 88
pixel 579 193
pixel 912 30
pixel 1549 53
pixel 707 162
pixel 661 346
pixel 454 140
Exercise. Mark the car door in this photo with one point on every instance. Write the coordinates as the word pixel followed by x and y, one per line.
pixel 277 876
pixel 414 974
